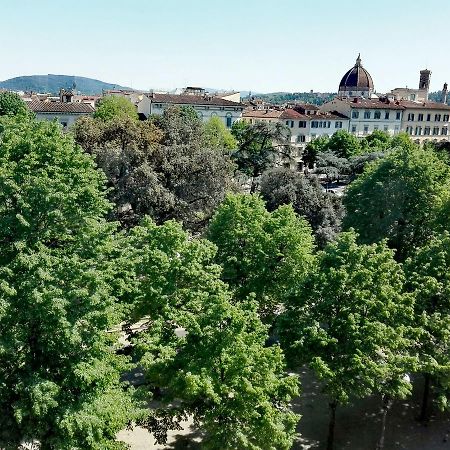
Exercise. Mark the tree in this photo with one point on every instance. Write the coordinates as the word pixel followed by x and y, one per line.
pixel 334 167
pixel 313 148
pixel 377 141
pixel 398 198
pixel 260 252
pixel 217 135
pixel 12 105
pixel 348 320
pixel 322 210
pixel 358 163
pixel 204 351
pixel 428 278
pixel 153 172
pixel 59 375
pixel 114 106
pixel 343 144
pixel 258 147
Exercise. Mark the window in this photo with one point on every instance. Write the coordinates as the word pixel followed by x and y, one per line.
pixel 64 124
pixel 320 124
pixel 386 115
pixel 428 117
pixel 437 117
pixel 366 114
pixel 337 124
pixel 314 124
pixel 355 114
pixel 398 116
pixel 410 117
pixel 446 117
pixel 377 115
pixel 287 122
pixel 418 131
pixel 229 120
pixel 375 127
pixel 302 124
pixel 426 131
pixel 301 138
pixel 353 128
pixel 313 136
pixel 386 128
pixel 420 117
pixel 435 131
pixel 413 97
pixel 444 131
pixel 366 129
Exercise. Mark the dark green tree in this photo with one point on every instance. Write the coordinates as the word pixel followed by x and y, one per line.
pixel 322 210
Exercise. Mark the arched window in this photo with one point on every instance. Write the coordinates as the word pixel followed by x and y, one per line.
pixel 229 120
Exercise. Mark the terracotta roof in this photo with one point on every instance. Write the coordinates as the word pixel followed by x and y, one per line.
pixel 262 113
pixel 292 114
pixel 424 105
pixel 375 103
pixel 192 100
pixel 58 107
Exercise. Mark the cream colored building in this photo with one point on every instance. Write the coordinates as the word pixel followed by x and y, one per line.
pixel 426 121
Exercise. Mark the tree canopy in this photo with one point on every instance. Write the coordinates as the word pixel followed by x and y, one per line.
pixel 114 106
pixel 12 105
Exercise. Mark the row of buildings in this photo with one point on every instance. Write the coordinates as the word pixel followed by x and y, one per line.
pixel 357 108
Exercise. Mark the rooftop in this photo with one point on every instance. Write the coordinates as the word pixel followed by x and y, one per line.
pixel 58 107
pixel 192 100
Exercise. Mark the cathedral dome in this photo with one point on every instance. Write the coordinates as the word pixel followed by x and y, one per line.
pixel 357 79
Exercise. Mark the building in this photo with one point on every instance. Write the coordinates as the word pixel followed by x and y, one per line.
pixel 302 124
pixel 426 121
pixel 206 106
pixel 356 82
pixel 65 113
pixel 420 94
pixel 368 115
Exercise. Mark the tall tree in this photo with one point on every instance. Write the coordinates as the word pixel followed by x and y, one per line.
pixel 59 375
pixel 349 321
pixel 204 351
pixel 322 210
pixel 398 198
pixel 260 252
pixel 259 146
pixel 217 135
pixel 114 106
pixel 428 272
pixel 344 144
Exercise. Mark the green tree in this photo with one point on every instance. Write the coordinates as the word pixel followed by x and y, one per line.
pixel 258 147
pixel 332 166
pixel 12 105
pixel 428 274
pixel 217 135
pixel 113 106
pixel 343 144
pixel 260 252
pixel 322 210
pixel 348 322
pixel 204 351
pixel 377 141
pixel 398 198
pixel 59 375
pixel 313 148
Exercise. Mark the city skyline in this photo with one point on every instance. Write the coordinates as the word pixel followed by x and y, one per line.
pixel 258 46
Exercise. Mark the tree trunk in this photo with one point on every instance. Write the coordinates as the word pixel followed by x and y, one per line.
pixel 426 393
pixel 387 403
pixel 330 440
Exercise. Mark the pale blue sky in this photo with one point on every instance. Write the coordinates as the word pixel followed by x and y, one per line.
pixel 262 45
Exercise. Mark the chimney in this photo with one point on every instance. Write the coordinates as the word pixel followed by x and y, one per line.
pixel 444 93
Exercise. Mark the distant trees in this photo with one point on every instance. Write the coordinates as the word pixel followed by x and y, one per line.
pixel 115 106
pixel 348 320
pixel 12 105
pixel 322 210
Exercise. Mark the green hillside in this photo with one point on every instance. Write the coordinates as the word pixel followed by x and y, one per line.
pixel 53 83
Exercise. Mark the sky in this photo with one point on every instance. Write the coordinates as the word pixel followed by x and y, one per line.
pixel 256 45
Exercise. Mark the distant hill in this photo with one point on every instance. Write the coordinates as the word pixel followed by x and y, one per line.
pixel 316 98
pixel 53 83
